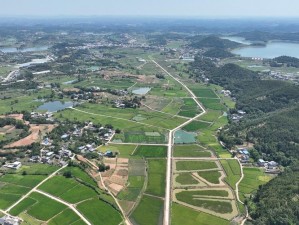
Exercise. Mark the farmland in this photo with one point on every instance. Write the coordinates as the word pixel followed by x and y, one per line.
pixel 232 170
pixel 253 178
pixel 129 153
pixel 148 211
pixel 185 215
pixel 156 177
pixel 196 165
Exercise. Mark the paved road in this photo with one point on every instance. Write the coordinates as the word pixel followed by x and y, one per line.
pixel 34 189
pixel 166 220
pixel 64 203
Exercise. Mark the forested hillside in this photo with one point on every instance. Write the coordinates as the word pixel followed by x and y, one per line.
pixel 272 125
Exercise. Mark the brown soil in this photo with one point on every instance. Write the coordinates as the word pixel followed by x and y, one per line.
pixel 33 137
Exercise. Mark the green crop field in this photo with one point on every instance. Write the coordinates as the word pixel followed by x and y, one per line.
pixel 213 104
pixel 148 211
pixel 187 216
pixel 211 115
pixel 253 178
pixel 196 165
pixel 98 212
pixel 66 217
pixel 45 208
pixel 186 179
pixel 80 174
pixel 8 199
pixel 233 172
pixel 196 126
pixel 151 151
pixel 13 186
pixel 71 191
pixel 22 206
pixel 156 177
pixel 22 180
pixel 203 92
pixel 210 176
pixel 190 151
pixel 219 206
pixel 132 191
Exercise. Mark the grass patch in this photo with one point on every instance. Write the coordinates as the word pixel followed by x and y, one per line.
pixel 124 151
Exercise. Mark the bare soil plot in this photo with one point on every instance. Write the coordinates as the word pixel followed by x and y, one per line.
pixel 36 132
pixel 116 178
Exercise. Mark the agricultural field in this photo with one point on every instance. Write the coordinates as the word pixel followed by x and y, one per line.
pixel 186 179
pixel 43 208
pixel 148 151
pixel 213 104
pixel 97 211
pixel 190 151
pixel 71 191
pixel 232 170
pixel 195 126
pixel 210 176
pixel 253 178
pixel 149 211
pixel 189 108
pixel 14 185
pixel 203 91
pixel 156 177
pixel 187 216
pixel 195 165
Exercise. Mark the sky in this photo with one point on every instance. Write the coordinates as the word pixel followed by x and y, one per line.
pixel 167 8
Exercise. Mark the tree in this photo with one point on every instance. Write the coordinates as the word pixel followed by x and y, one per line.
pixel 67 174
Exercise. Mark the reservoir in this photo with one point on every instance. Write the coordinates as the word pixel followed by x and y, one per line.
pixel 271 50
pixel 54 106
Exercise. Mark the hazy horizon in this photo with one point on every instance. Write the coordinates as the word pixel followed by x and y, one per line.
pixel 205 9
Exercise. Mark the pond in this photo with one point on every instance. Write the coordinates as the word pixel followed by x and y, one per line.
pixel 55 106
pixel 141 91
pixel 32 49
pixel 183 137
